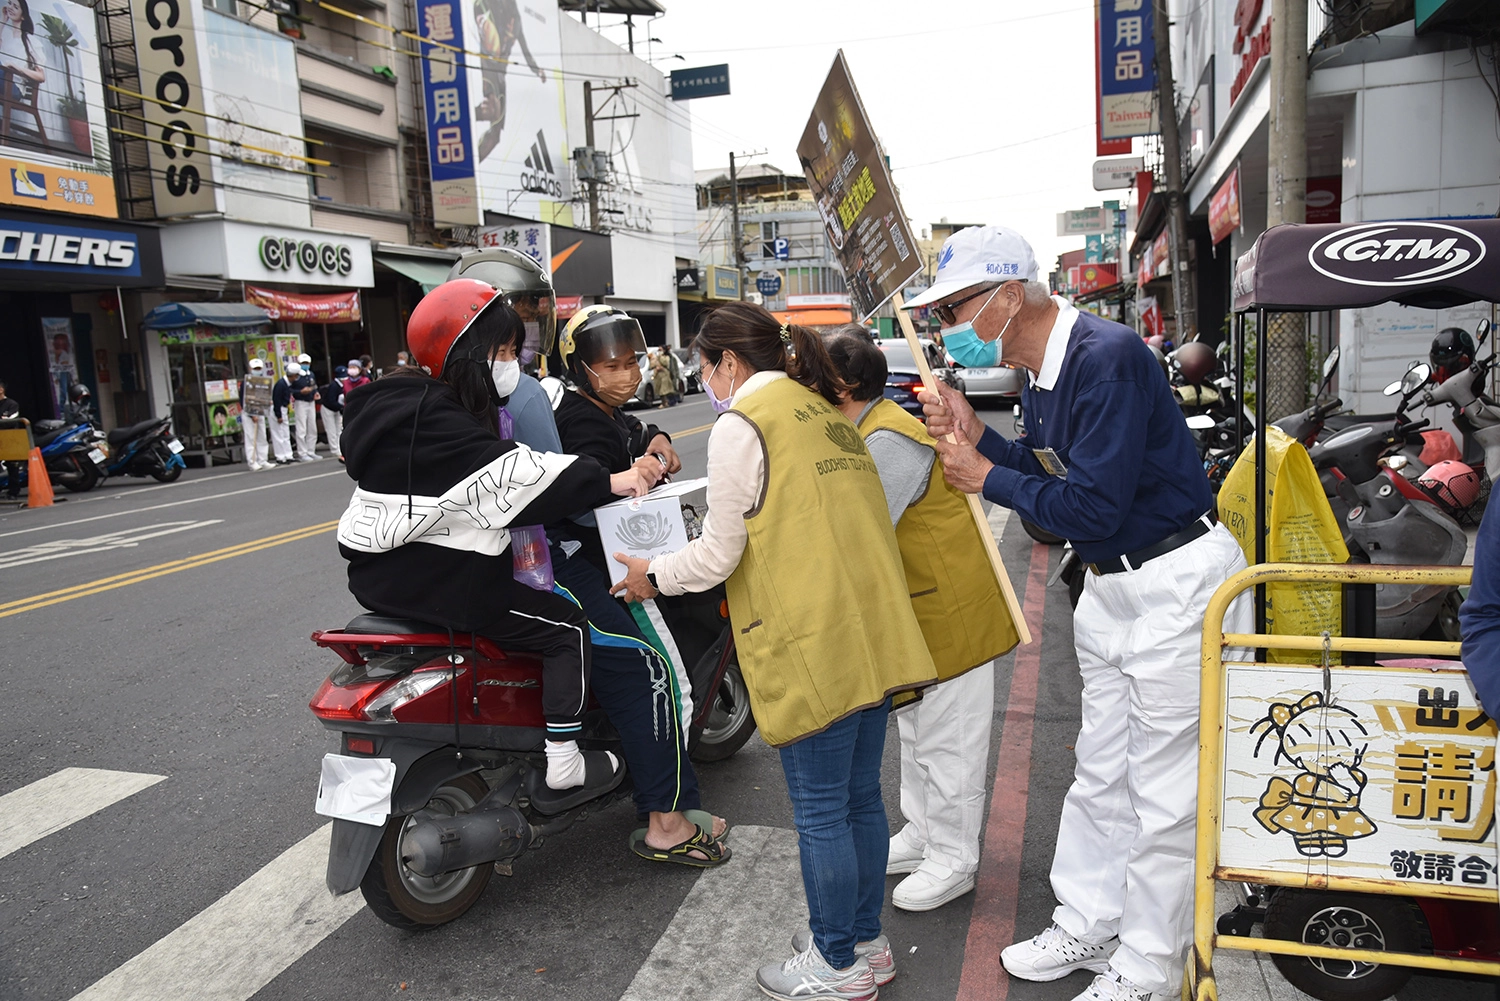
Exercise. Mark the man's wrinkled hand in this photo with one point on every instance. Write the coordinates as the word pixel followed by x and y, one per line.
pixel 635 586
pixel 963 467
pixel 947 411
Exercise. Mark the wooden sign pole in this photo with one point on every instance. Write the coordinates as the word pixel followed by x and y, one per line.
pixel 975 508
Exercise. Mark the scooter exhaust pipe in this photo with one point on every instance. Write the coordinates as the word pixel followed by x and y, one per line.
pixel 445 844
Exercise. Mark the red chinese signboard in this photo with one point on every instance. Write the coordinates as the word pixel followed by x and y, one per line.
pixel 1224 208
pixel 332 307
pixel 1093 277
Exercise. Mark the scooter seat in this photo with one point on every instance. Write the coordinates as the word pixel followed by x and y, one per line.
pixel 1338 422
pixel 120 436
pixel 387 625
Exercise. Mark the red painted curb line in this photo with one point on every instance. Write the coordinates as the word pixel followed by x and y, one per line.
pixel 992 924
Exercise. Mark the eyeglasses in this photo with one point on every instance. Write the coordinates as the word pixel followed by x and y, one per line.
pixel 944 312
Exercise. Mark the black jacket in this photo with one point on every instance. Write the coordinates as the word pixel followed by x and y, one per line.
pixel 409 436
pixel 304 388
pixel 281 397
pixel 332 396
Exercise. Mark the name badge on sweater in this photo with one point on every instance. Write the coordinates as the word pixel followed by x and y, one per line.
pixel 1050 462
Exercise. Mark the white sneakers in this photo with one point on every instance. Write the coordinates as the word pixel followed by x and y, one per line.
pixel 904 857
pixel 1111 986
pixel 930 886
pixel 1054 954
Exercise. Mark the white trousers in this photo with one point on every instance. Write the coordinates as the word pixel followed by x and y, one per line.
pixel 1125 843
pixel 333 427
pixel 254 428
pixel 307 426
pixel 281 437
pixel 945 750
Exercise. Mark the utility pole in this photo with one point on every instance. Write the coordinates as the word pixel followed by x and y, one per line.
pixel 588 141
pixel 1286 194
pixel 1171 145
pixel 592 173
pixel 737 236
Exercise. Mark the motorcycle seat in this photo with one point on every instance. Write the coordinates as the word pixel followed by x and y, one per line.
pixel 373 624
pixel 120 436
pixel 1338 422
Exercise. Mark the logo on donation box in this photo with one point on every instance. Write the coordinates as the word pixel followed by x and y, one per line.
pixel 279 254
pixel 1393 255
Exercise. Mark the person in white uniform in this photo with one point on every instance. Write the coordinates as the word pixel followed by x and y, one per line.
pixel 281 402
pixel 1107 462
pixel 255 401
pixel 305 406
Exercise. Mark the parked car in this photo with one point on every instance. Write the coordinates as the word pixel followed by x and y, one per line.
pixel 989 383
pixel 902 383
pixel 692 377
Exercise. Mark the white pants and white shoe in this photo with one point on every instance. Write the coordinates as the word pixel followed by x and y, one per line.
pixel 253 428
pixel 945 749
pixel 1123 869
pixel 333 427
pixel 307 429
pixel 281 437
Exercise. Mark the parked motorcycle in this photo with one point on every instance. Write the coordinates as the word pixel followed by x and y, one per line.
pixel 146 449
pixel 453 726
pixel 71 453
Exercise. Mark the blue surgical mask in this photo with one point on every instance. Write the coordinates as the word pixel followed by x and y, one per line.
pixel 963 343
pixel 718 405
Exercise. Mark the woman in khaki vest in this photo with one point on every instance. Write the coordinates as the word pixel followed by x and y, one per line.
pixel 798 529
pixel 945 739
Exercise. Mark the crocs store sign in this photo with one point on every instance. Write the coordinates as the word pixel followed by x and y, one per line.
pixel 311 257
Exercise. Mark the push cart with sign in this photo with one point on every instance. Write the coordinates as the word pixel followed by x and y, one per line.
pixel 1353 798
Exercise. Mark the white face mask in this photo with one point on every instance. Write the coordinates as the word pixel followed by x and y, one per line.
pixel 506 375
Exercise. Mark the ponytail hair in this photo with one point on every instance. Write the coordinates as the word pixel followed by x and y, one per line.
pixel 766 344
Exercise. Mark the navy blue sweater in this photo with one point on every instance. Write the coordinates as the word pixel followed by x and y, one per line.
pixel 281 397
pixel 1134 476
pixel 1479 618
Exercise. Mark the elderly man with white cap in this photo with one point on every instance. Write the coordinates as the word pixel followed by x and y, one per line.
pixel 1107 462
pixel 305 398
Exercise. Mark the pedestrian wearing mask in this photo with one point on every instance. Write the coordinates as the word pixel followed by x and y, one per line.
pixel 824 627
pixel 1107 463
pixel 281 402
pixel 304 407
pixel 331 409
pixel 255 400
pixel 357 375
pixel 945 738
pixel 661 377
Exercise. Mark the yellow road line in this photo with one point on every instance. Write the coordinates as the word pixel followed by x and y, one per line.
pixel 683 434
pixel 160 570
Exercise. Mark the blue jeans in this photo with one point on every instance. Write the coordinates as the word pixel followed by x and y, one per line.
pixel 833 778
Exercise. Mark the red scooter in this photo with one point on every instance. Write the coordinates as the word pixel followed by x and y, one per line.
pixel 450 728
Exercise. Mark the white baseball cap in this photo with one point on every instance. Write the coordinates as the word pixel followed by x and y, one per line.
pixel 257 363
pixel 976 256
pixel 304 358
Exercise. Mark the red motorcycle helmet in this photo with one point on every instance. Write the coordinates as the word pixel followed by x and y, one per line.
pixel 1453 483
pixel 1196 361
pixel 442 317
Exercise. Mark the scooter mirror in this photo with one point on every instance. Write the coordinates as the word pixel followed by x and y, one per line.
pixel 1200 422
pixel 1392 389
pixel 1331 362
pixel 1416 378
pixel 1481 333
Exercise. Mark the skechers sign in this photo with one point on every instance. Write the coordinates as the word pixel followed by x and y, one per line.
pixel 279 254
pixel 68 251
pixel 1394 255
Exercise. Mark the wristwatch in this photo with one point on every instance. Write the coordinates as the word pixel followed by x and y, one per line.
pixel 651 579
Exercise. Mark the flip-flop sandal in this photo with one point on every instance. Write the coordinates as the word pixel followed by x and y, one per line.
pixel 716 853
pixel 705 822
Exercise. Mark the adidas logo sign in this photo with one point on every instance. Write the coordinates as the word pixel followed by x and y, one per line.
pixel 539 175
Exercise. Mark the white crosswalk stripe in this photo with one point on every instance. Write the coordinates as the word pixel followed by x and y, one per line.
pixel 243 940
pixel 47 805
pixel 753 906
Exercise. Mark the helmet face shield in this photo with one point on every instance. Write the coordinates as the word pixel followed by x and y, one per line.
pixel 600 333
pixel 538 310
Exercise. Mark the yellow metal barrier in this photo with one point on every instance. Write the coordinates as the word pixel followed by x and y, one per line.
pixel 1199 984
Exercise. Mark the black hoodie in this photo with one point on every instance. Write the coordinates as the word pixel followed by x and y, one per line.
pixel 425 532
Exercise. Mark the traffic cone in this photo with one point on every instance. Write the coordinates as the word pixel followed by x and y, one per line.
pixel 38 483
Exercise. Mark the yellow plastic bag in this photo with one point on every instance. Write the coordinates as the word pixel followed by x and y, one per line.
pixel 1303 530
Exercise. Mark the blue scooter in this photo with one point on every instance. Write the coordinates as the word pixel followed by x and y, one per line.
pixel 145 449
pixel 73 458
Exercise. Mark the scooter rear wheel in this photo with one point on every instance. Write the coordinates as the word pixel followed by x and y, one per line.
pixel 166 474
pixel 88 477
pixel 730 722
pixel 403 899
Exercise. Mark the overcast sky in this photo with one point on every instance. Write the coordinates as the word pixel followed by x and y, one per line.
pixel 986 107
